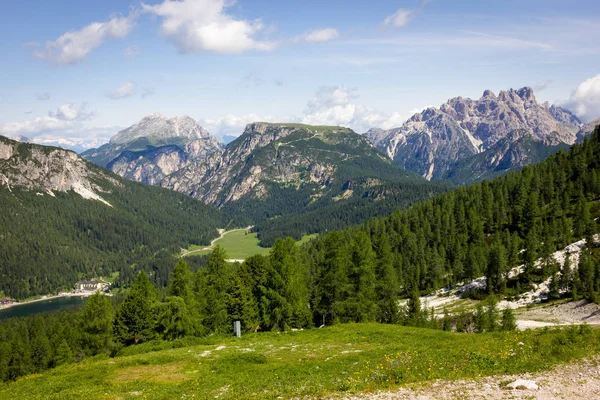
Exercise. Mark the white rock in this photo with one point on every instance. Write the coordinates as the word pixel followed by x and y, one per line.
pixel 523 384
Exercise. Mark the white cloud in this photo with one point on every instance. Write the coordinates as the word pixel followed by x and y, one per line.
pixel 66 116
pixel 321 35
pixel 399 19
pixel 72 112
pixel 72 47
pixel 334 105
pixel 233 125
pixel 205 25
pixel 66 127
pixel 585 99
pixel 33 127
pixel 127 89
pixel 43 96
pixel 132 51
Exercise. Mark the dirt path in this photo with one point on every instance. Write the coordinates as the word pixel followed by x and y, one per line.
pixel 580 380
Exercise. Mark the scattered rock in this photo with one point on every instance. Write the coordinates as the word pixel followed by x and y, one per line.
pixel 523 385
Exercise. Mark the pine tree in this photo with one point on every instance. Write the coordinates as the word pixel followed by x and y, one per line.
pixel 333 287
pixel 509 322
pixel 96 323
pixel 180 285
pixel 554 288
pixel 63 355
pixel 362 306
pixel 497 267
pixel 135 319
pixel 566 275
pixel 172 318
pixel 216 317
pixel 387 283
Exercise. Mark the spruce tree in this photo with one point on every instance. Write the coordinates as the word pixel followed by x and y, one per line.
pixel 63 355
pixel 135 319
pixel 96 323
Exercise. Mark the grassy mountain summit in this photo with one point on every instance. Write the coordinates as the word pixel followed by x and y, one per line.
pixel 64 219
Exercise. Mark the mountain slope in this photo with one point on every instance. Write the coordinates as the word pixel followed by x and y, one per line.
pixel 294 179
pixel 64 219
pixel 154 147
pixel 315 158
pixel 436 142
pixel 511 153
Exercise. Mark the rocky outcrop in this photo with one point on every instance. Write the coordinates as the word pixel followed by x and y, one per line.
pixel 49 169
pixel 435 141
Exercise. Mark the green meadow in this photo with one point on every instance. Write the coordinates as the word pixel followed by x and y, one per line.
pixel 352 358
pixel 239 245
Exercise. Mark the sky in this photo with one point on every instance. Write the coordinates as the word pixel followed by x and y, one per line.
pixel 78 71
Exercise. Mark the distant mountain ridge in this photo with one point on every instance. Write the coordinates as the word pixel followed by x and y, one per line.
pixel 437 143
pixel 154 148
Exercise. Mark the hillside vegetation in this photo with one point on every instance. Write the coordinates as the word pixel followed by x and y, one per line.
pixel 49 240
pixel 349 358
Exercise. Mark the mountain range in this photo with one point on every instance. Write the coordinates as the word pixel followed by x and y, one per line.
pixel 467 140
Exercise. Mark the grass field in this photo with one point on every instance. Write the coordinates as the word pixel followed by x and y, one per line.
pixel 239 245
pixel 352 358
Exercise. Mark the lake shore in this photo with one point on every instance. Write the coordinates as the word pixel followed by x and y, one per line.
pixel 49 297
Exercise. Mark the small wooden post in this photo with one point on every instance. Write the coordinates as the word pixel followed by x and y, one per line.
pixel 237 328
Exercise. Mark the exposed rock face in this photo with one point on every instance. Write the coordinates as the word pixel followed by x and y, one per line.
pixel 154 148
pixel 48 169
pixel 514 151
pixel 432 142
pixel 287 155
pixel 587 129
pixel 376 135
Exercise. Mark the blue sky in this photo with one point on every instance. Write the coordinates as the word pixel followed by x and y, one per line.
pixel 81 70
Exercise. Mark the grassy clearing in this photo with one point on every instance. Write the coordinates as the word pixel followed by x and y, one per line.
pixel 345 358
pixel 239 245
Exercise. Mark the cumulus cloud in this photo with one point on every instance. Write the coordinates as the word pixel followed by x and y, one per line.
pixel 205 25
pixel 335 105
pixel 66 127
pixel 72 47
pixel 43 96
pixel 585 99
pixel 321 35
pixel 399 19
pixel 127 89
pixel 66 116
pixel 72 112
pixel 233 125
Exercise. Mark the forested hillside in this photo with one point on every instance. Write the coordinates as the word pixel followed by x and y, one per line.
pixel 51 237
pixel 484 229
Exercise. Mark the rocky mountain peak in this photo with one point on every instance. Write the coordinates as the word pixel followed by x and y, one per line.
pixel 431 141
pixel 156 126
pixel 526 94
pixel 488 94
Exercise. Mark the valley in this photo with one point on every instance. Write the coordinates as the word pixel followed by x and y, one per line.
pixel 211 199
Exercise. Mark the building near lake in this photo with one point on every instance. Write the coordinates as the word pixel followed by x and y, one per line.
pixel 88 285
